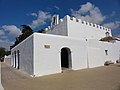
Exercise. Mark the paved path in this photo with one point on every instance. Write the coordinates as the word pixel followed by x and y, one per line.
pixel 9 73
pixel 100 78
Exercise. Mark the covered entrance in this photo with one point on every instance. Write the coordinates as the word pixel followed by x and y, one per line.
pixel 66 62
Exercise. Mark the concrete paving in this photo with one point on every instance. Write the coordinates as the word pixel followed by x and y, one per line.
pixel 100 78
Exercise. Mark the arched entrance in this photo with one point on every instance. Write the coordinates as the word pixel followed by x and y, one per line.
pixel 66 62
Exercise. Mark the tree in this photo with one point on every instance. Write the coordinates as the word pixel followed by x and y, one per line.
pixel 2 52
pixel 8 53
pixel 26 32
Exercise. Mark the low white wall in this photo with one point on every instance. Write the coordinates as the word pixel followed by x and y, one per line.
pixel 7 59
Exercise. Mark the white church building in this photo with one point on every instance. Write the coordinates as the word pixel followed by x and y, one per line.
pixel 68 43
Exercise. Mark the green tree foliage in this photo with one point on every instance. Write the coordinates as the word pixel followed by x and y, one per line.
pixel 8 53
pixel 2 52
pixel 26 32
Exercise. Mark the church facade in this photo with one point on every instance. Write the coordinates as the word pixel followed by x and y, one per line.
pixel 69 43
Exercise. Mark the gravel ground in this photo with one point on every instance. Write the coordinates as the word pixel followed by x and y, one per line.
pixel 100 78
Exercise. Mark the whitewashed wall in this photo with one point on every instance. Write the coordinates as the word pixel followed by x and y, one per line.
pixel 37 60
pixel 26 55
pixel 95 57
pixel 48 60
pixel 7 59
pixel 82 29
pixel 72 27
pixel 113 49
pixel 85 53
pixel 59 29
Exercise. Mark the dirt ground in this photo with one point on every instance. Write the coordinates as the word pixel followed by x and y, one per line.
pixel 100 78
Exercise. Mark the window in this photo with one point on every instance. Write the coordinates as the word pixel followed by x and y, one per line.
pixel 106 52
pixel 18 59
pixel 15 59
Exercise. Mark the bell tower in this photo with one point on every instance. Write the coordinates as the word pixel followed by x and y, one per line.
pixel 55 20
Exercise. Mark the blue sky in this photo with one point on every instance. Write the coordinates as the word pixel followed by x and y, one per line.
pixel 37 14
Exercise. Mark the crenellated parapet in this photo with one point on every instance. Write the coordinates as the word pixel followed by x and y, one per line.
pixel 67 17
pixel 73 27
pixel 88 23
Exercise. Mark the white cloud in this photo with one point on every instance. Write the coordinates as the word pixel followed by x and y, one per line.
pixel 89 12
pixel 41 19
pixel 34 14
pixel 57 7
pixel 85 8
pixel 8 33
pixel 12 29
pixel 2 32
pixel 3 37
pixel 6 44
pixel 112 25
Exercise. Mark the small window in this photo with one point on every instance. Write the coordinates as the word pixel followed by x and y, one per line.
pixel 106 52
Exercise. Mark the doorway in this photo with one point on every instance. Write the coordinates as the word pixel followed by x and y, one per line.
pixel 15 60
pixel 18 54
pixel 66 62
